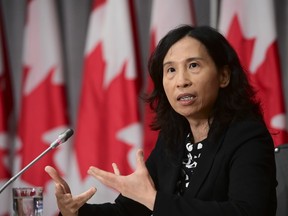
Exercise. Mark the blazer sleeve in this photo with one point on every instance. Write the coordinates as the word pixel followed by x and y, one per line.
pixel 123 206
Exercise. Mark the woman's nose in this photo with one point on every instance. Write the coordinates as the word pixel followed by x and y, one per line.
pixel 183 80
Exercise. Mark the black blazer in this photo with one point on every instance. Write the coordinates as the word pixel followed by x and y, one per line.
pixel 235 176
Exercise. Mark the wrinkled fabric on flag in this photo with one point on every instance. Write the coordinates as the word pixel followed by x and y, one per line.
pixel 108 124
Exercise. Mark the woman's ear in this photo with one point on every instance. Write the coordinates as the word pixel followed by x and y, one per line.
pixel 225 74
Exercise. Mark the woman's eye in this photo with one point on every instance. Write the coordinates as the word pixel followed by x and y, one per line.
pixel 193 65
pixel 170 70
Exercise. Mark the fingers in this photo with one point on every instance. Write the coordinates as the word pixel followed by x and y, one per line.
pixel 53 174
pixel 85 196
pixel 57 178
pixel 140 159
pixel 107 178
pixel 68 204
pixel 115 168
pixel 97 173
pixel 59 189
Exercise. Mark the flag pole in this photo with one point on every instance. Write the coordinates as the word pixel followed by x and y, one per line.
pixel 214 13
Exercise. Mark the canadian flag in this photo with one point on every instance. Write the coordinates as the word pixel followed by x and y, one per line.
pixel 108 126
pixel 249 25
pixel 43 113
pixel 6 108
pixel 166 15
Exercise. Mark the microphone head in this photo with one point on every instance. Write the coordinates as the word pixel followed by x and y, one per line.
pixel 67 134
pixel 63 137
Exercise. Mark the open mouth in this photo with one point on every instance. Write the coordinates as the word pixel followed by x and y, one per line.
pixel 186 97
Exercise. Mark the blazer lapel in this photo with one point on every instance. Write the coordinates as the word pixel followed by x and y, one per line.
pixel 171 173
pixel 204 165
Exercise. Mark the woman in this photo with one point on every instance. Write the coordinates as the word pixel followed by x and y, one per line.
pixel 214 154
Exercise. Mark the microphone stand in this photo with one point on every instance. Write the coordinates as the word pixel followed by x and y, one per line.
pixel 61 139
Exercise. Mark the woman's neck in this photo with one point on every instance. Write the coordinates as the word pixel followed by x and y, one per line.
pixel 199 130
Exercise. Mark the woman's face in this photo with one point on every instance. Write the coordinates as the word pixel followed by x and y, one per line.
pixel 191 80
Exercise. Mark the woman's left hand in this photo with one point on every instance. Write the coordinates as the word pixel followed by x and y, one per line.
pixel 138 186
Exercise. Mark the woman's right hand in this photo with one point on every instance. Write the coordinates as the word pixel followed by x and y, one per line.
pixel 68 204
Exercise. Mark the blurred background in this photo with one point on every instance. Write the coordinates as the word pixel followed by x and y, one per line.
pixel 83 65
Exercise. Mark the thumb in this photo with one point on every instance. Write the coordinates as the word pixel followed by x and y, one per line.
pixel 140 159
pixel 85 196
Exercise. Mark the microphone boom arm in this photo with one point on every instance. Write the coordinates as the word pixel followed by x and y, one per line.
pixel 61 139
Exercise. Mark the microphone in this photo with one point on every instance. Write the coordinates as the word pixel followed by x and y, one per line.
pixel 63 137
